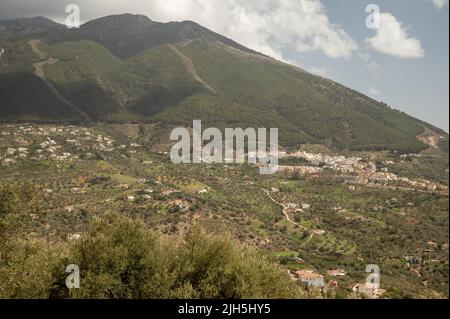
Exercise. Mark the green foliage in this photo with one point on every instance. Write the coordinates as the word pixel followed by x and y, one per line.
pixel 27 266
pixel 120 258
pixel 17 202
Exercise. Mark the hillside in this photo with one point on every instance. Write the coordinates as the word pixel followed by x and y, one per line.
pixel 128 68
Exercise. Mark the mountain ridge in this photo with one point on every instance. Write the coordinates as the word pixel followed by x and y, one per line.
pixel 128 68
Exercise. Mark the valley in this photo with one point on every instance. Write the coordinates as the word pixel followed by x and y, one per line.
pixel 315 220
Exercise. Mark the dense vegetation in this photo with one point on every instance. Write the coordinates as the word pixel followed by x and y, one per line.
pixel 121 258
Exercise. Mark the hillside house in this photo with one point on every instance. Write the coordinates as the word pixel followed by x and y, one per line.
pixel 369 290
pixel 337 273
pixel 181 204
pixel 310 278
pixel 9 161
pixel 10 151
pixel 77 190
pixel 413 261
pixel 332 284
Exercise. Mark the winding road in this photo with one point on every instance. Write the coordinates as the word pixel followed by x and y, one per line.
pixel 39 72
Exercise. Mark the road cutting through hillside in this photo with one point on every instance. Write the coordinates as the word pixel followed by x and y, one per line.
pixel 288 218
pixel 285 209
pixel 40 73
pixel 190 68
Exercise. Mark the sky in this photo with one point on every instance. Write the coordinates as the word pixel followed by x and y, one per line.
pixel 400 58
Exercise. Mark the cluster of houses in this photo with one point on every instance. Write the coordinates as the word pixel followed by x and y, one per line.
pixel 55 143
pixel 356 170
pixel 312 278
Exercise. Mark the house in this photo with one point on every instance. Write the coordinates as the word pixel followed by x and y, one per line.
pixel 77 190
pixel 11 151
pixel 74 237
pixel 9 161
pixel 203 191
pixel 181 204
pixel 310 278
pixel 369 290
pixel 412 260
pixel 337 273
pixel 131 198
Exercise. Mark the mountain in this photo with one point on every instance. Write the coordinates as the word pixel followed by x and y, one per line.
pixel 128 68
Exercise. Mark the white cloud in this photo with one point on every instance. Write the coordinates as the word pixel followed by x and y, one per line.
pixel 440 4
pixel 268 26
pixel 372 66
pixel 374 92
pixel 393 38
pixel 365 56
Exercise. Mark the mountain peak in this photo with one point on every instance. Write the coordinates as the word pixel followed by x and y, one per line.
pixel 123 18
pixel 27 27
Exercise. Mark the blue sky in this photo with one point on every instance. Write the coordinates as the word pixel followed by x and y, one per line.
pixel 418 86
pixel 404 63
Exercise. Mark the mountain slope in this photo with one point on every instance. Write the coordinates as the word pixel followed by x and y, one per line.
pixel 128 68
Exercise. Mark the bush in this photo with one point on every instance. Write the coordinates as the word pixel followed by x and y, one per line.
pixel 121 258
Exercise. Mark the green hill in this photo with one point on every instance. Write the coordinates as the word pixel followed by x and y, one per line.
pixel 128 68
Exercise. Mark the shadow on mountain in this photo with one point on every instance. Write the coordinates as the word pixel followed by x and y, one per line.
pixel 25 96
pixel 160 98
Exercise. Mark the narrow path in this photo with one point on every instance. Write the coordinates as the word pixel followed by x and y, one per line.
pixel 417 272
pixel 309 239
pixel 39 72
pixel 285 209
pixel 190 68
pixel 288 218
